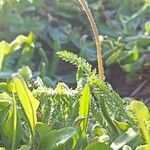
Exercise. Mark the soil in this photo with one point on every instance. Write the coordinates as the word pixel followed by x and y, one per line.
pixel 139 90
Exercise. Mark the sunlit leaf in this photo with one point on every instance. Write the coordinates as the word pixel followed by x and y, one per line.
pixel 143 147
pixel 16 44
pixel 141 115
pixel 14 125
pixel 84 107
pixel 122 125
pixel 28 102
pixel 5 47
pixel 97 146
pixel 5 100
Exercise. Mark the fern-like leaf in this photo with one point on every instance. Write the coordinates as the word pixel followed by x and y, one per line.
pixel 75 60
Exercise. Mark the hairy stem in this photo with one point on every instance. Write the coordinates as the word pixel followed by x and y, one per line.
pixel 88 12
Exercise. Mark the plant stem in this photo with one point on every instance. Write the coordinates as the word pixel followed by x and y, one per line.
pixel 88 12
pixel 14 124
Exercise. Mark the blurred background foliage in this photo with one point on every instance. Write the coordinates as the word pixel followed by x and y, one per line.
pixel 124 26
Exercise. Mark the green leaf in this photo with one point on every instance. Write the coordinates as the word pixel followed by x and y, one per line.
pixel 42 129
pixel 79 73
pixel 147 27
pixel 14 125
pixel 3 87
pixel 84 107
pixel 97 146
pixel 141 115
pixel 44 57
pixel 28 102
pixel 5 47
pixel 143 147
pixel 7 130
pixel 42 70
pixel 30 38
pixel 4 114
pixel 126 147
pixel 26 56
pixel 26 73
pixel 98 130
pixel 75 60
pixel 141 40
pixel 113 58
pixel 5 75
pixel 48 82
pixel 122 125
pixel 5 100
pixel 124 138
pixel 1 58
pixel 16 44
pixel 25 147
pixel 135 66
pixel 56 138
pixel 102 139
pixel 130 57
pixel 141 109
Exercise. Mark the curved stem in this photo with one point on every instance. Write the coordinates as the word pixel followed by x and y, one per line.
pixel 88 12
